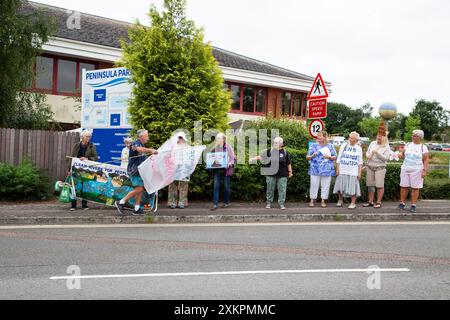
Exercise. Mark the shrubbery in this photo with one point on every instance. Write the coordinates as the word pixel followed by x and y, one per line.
pixel 24 182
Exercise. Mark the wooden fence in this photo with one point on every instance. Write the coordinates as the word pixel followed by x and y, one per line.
pixel 46 149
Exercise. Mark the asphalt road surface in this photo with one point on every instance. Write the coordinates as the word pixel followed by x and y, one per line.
pixel 204 262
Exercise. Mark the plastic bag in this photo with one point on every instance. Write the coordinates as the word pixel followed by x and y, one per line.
pixel 65 196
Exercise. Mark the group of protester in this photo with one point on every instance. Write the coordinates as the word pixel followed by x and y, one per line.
pixel 325 163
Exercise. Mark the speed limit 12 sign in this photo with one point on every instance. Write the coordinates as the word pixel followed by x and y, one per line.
pixel 315 127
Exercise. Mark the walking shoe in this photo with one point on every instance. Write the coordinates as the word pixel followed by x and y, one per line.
pixel 73 209
pixel 268 206
pixel 214 208
pixel 120 207
pixel 85 208
pixel 312 204
pixel 340 203
pixel 282 207
pixel 402 206
pixel 139 212
pixel 324 204
pixel 173 206
pixel 181 206
pixel 225 205
pixel 352 206
pixel 413 209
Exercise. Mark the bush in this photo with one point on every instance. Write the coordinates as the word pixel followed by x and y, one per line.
pixel 24 182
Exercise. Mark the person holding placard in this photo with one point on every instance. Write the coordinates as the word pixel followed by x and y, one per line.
pixel 221 161
pixel 349 171
pixel 321 157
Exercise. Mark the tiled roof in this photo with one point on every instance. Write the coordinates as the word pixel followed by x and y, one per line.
pixel 108 32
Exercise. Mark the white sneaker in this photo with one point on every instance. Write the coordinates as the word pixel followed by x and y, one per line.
pixel 339 203
pixel 282 207
pixel 269 206
pixel 352 206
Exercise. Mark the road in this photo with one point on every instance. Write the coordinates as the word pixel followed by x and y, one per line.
pixel 203 262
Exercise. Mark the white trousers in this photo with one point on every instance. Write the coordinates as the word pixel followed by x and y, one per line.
pixel 324 184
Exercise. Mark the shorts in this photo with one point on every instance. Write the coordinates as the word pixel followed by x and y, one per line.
pixel 375 178
pixel 411 179
pixel 137 181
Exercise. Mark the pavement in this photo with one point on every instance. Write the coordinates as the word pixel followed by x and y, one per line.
pixel 293 261
pixel 55 213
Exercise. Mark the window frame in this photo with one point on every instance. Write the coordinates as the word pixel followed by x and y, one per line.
pixel 241 103
pixel 303 106
pixel 54 90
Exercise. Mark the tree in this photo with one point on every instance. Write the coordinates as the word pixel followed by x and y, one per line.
pixel 397 127
pixel 343 119
pixel 433 117
pixel 21 39
pixel 369 127
pixel 412 123
pixel 177 80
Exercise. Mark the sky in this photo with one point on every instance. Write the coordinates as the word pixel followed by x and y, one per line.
pixel 370 50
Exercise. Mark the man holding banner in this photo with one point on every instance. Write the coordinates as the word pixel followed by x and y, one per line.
pixel 138 155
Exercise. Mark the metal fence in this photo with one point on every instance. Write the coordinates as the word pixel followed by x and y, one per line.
pixel 46 149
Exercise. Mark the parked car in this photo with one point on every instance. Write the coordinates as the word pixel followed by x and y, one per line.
pixel 446 147
pixel 436 147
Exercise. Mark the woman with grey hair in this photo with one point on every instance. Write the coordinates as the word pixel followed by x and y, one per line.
pixel 277 168
pixel 84 150
pixel 125 152
pixel 414 170
pixel 348 171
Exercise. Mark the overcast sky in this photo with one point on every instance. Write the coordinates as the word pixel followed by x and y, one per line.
pixel 371 50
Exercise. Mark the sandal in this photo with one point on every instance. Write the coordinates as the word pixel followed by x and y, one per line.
pixel 377 206
pixel 368 204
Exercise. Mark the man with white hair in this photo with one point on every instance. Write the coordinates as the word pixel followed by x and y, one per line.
pixel 84 150
pixel 414 170
pixel 138 154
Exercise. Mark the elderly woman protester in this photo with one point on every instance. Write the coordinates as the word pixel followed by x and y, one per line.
pixel 126 153
pixel 349 170
pixel 377 157
pixel 221 146
pixel 414 169
pixel 321 156
pixel 84 150
pixel 277 168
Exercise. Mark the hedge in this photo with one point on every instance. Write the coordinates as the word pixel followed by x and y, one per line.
pixel 247 184
pixel 23 182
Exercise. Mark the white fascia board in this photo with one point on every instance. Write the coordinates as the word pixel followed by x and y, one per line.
pixel 84 50
pixel 265 80
pixel 97 52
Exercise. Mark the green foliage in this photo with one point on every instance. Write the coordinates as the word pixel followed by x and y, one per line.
pixel 412 123
pixel 24 182
pixel 433 117
pixel 177 79
pixel 369 127
pixel 343 119
pixel 21 38
pixel 32 112
pixel 436 189
pixel 397 127
pixel 294 133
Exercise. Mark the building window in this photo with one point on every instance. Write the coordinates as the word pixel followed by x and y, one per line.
pixel 294 104
pixel 286 104
pixel 236 96
pixel 67 76
pixel 44 73
pixel 59 75
pixel 261 98
pixel 248 99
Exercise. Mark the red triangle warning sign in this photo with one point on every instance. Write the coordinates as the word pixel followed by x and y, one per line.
pixel 319 89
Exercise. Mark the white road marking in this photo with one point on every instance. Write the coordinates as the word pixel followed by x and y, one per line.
pixel 228 273
pixel 210 225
